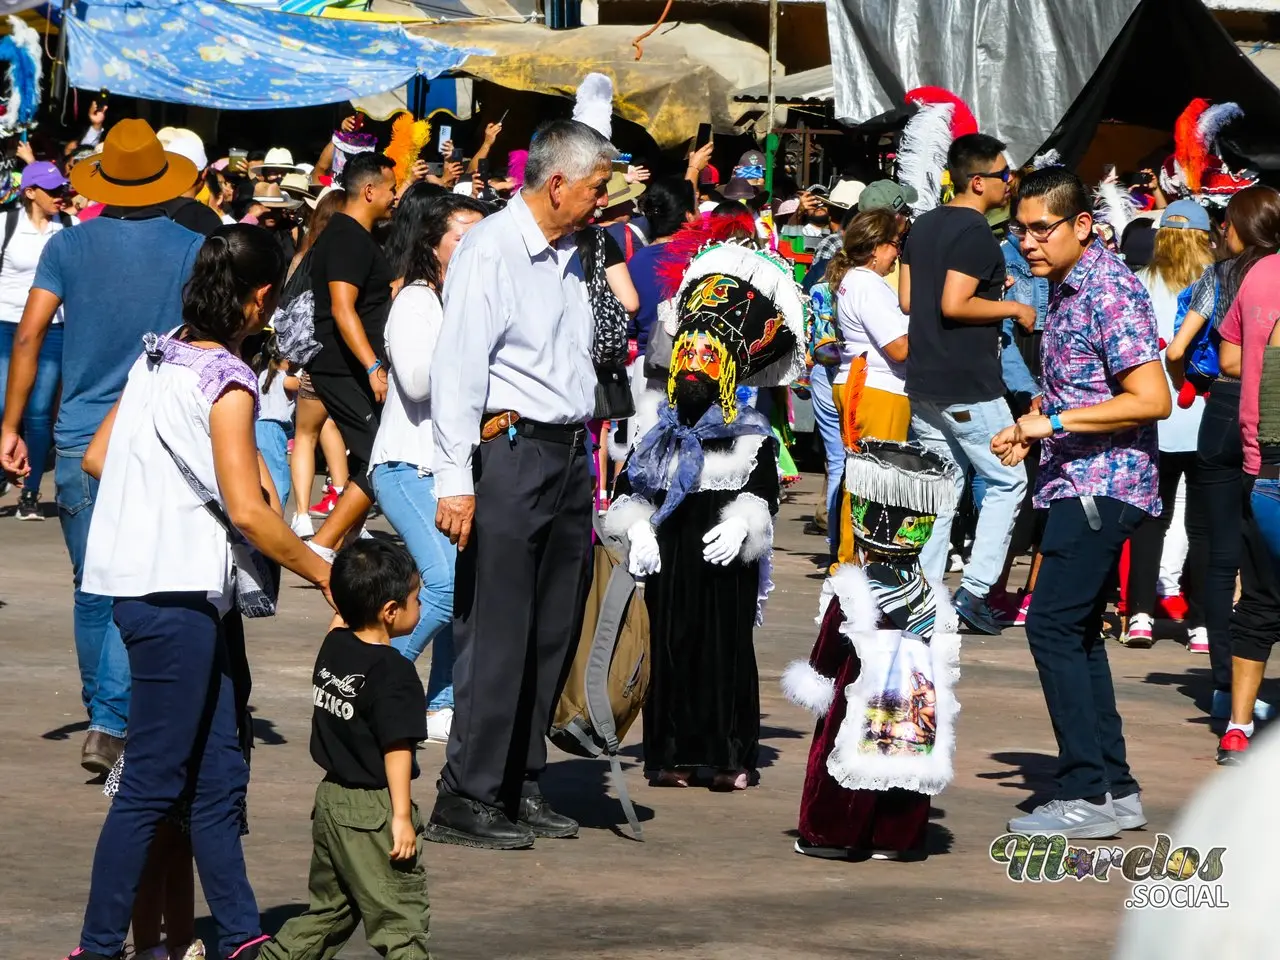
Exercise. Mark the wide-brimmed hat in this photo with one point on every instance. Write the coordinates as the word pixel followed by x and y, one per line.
pixel 299 187
pixel 739 189
pixel 133 170
pixel 845 194
pixel 621 191
pixel 270 195
pixel 896 492
pixel 278 159
pixel 186 143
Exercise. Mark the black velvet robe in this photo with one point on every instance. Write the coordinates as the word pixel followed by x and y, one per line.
pixel 704 695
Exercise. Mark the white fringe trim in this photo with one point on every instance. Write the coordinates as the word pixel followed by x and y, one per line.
pixel 625 512
pixel 754 512
pixel 932 491
pixel 806 687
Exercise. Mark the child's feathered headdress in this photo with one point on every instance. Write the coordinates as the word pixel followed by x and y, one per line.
pixel 1196 169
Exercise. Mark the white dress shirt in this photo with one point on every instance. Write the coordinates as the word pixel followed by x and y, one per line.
pixel 413 330
pixel 517 336
pixel 18 269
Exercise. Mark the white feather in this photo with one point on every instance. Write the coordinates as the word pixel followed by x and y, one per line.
pixel 1050 158
pixel 594 105
pixel 1114 206
pixel 1211 122
pixel 27 40
pixel 922 153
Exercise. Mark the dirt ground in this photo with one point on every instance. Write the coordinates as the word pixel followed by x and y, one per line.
pixel 716 877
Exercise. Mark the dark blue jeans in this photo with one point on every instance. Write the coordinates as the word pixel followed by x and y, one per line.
pixel 1064 630
pixel 37 418
pixel 182 741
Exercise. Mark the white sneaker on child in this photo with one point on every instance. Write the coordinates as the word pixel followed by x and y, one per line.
pixel 324 553
pixel 439 723
pixel 195 951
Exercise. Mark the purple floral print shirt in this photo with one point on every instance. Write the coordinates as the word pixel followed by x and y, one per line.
pixel 1100 324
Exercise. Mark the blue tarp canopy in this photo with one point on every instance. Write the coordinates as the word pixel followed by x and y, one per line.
pixel 210 53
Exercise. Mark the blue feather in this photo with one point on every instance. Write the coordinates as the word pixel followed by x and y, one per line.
pixel 1214 119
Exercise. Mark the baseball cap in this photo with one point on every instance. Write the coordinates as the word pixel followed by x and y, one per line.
pixel 709 177
pixel 42 174
pixel 752 158
pixel 887 194
pixel 185 143
pixel 1185 215
pixel 846 194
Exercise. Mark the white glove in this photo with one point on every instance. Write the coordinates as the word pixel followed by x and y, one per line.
pixel 724 541
pixel 645 557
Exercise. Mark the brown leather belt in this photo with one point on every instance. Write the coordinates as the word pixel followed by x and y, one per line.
pixel 511 423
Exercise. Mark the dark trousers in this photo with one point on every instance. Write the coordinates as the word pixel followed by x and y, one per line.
pixel 352 880
pixel 1255 624
pixel 1064 630
pixel 349 401
pixel 1215 506
pixel 1147 543
pixel 183 739
pixel 518 601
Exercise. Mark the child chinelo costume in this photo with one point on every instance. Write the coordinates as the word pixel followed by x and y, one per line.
pixel 881 675
pixel 696 500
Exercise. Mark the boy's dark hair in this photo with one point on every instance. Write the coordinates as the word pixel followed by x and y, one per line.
pixel 972 154
pixel 364 168
pixel 1063 192
pixel 366 576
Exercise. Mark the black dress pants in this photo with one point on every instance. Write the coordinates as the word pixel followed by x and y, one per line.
pixel 518 601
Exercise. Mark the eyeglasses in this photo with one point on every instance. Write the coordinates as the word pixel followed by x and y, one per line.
pixel 1006 174
pixel 1040 233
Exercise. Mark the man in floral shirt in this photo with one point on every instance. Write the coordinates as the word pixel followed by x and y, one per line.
pixel 1103 392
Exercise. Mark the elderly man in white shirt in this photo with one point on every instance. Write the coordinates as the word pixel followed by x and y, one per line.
pixel 512 385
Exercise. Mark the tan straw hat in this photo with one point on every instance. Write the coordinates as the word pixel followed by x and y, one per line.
pixel 622 191
pixel 133 170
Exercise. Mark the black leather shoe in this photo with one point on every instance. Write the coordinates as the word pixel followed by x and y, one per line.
pixel 470 823
pixel 975 612
pixel 101 751
pixel 536 814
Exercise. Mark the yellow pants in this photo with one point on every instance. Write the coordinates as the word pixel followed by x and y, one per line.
pixel 879 415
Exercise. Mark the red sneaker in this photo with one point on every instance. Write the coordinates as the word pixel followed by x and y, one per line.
pixel 1231 748
pixel 1023 609
pixel 1172 608
pixel 327 502
pixel 1004 607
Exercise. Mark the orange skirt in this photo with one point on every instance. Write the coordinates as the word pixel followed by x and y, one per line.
pixel 879 415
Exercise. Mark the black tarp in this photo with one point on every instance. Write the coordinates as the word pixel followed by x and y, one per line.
pixel 1170 52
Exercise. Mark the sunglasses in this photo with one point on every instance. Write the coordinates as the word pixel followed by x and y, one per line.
pixel 58 193
pixel 1006 174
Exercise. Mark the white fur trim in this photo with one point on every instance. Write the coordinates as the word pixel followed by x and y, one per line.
pixel 625 512
pixel 806 687
pixel 945 619
pixel 754 512
pixel 857 602
pixel 929 773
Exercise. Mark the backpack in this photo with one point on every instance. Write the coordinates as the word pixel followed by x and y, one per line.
pixel 11 226
pixel 823 342
pixel 1201 358
pixel 294 319
pixel 608 680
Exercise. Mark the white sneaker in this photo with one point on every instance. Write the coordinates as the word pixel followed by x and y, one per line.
pixel 302 527
pixel 439 724
pixel 1198 640
pixel 324 553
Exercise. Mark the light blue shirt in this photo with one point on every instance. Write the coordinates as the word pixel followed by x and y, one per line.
pixel 517 336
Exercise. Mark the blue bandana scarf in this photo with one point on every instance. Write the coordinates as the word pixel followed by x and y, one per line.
pixel 650 464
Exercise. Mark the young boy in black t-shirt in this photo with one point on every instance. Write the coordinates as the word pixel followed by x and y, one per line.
pixel 368 719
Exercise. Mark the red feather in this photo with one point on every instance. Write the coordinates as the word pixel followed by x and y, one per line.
pixel 692 237
pixel 962 119
pixel 1188 149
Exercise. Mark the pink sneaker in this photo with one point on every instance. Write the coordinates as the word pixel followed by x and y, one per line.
pixel 1004 607
pixel 1198 640
pixel 1023 609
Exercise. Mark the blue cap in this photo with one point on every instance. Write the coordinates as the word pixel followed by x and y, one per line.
pixel 42 174
pixel 1185 215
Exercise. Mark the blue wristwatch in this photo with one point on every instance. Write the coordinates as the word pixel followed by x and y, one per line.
pixel 376 365
pixel 1055 421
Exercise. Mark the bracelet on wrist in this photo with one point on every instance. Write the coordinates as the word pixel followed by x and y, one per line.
pixel 1055 422
pixel 376 365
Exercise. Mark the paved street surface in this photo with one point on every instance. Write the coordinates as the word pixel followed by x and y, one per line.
pixel 716 877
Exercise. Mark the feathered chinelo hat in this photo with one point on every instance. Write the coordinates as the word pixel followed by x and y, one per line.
pixel 897 491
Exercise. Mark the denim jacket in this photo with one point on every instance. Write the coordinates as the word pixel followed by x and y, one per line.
pixel 1030 290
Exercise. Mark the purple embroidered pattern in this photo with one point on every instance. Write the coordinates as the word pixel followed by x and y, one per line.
pixel 216 368
pixel 1100 324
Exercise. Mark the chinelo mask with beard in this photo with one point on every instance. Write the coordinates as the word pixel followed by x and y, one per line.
pixel 694 394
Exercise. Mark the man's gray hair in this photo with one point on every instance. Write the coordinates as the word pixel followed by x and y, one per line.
pixel 569 148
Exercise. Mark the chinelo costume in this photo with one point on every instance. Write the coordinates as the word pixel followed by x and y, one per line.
pixel 881 674
pixel 696 500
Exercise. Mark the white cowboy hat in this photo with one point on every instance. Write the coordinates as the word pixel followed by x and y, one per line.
pixel 279 158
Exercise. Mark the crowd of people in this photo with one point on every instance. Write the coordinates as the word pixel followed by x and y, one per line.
pixel 991 371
